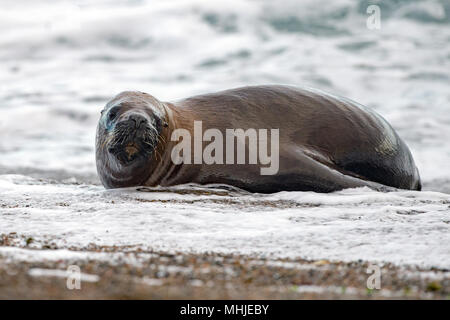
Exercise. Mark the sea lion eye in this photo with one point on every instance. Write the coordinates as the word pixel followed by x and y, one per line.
pixel 112 115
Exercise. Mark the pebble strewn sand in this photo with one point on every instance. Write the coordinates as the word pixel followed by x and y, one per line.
pixel 129 273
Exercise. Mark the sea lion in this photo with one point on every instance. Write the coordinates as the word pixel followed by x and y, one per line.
pixel 326 143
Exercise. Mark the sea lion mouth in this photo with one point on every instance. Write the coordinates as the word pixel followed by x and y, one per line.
pixel 131 149
pixel 130 142
pixel 129 152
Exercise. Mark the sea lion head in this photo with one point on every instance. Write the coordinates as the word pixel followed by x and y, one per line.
pixel 128 134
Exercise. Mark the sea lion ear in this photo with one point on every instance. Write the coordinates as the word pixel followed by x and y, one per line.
pixel 160 123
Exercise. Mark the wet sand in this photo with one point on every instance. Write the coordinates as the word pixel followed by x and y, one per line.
pixel 130 273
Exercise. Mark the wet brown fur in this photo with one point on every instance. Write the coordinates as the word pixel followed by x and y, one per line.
pixel 327 143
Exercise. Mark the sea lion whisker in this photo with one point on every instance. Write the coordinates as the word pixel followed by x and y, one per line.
pixel 157 153
pixel 160 136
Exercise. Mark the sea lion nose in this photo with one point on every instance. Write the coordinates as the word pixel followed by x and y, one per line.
pixel 137 119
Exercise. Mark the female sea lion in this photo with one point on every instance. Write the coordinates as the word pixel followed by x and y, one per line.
pixel 326 143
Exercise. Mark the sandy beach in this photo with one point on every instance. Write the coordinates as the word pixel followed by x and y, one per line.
pixel 126 273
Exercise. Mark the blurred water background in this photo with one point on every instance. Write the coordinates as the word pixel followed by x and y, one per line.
pixel 62 61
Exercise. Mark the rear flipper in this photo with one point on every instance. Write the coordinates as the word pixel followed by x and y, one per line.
pixel 325 176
